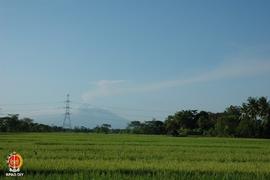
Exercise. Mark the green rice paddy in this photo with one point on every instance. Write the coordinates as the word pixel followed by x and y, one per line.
pixel 113 156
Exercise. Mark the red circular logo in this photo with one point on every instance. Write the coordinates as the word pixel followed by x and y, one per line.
pixel 15 161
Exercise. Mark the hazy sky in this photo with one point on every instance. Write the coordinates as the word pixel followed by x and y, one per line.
pixel 139 58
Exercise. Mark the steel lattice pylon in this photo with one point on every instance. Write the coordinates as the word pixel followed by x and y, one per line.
pixel 67 120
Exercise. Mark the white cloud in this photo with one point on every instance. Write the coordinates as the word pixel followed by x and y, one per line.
pixel 235 69
pixel 103 88
pixel 109 82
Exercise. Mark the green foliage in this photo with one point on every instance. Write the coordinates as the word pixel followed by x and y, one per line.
pixel 12 123
pixel 147 127
pixel 252 119
pixel 227 125
pixel 104 128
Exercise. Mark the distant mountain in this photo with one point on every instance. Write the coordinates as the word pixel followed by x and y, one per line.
pixel 85 116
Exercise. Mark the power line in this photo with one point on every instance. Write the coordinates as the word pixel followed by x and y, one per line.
pixel 33 103
pixel 100 106
pixel 31 108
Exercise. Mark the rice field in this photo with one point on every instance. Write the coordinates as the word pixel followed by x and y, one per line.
pixel 113 156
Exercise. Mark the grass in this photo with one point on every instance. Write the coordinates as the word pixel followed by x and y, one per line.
pixel 112 156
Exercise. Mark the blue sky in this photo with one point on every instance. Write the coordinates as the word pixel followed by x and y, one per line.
pixel 157 56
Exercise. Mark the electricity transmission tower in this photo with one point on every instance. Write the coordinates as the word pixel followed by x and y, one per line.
pixel 67 120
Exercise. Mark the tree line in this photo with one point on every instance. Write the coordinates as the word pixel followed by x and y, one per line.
pixel 12 123
pixel 252 119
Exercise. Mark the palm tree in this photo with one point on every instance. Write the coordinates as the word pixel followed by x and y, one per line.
pixel 263 107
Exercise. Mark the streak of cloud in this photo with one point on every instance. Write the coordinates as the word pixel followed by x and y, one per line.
pixel 236 69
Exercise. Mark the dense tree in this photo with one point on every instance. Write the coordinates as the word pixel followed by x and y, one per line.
pixel 12 123
pixel 204 121
pixel 153 127
pixel 181 122
pixel 135 127
pixel 186 119
pixel 252 119
pixel 171 126
pixel 227 122
pixel 233 110
pixel 227 125
pixel 104 128
pixel 148 127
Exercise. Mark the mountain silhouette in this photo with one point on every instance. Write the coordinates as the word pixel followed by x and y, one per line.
pixel 85 116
